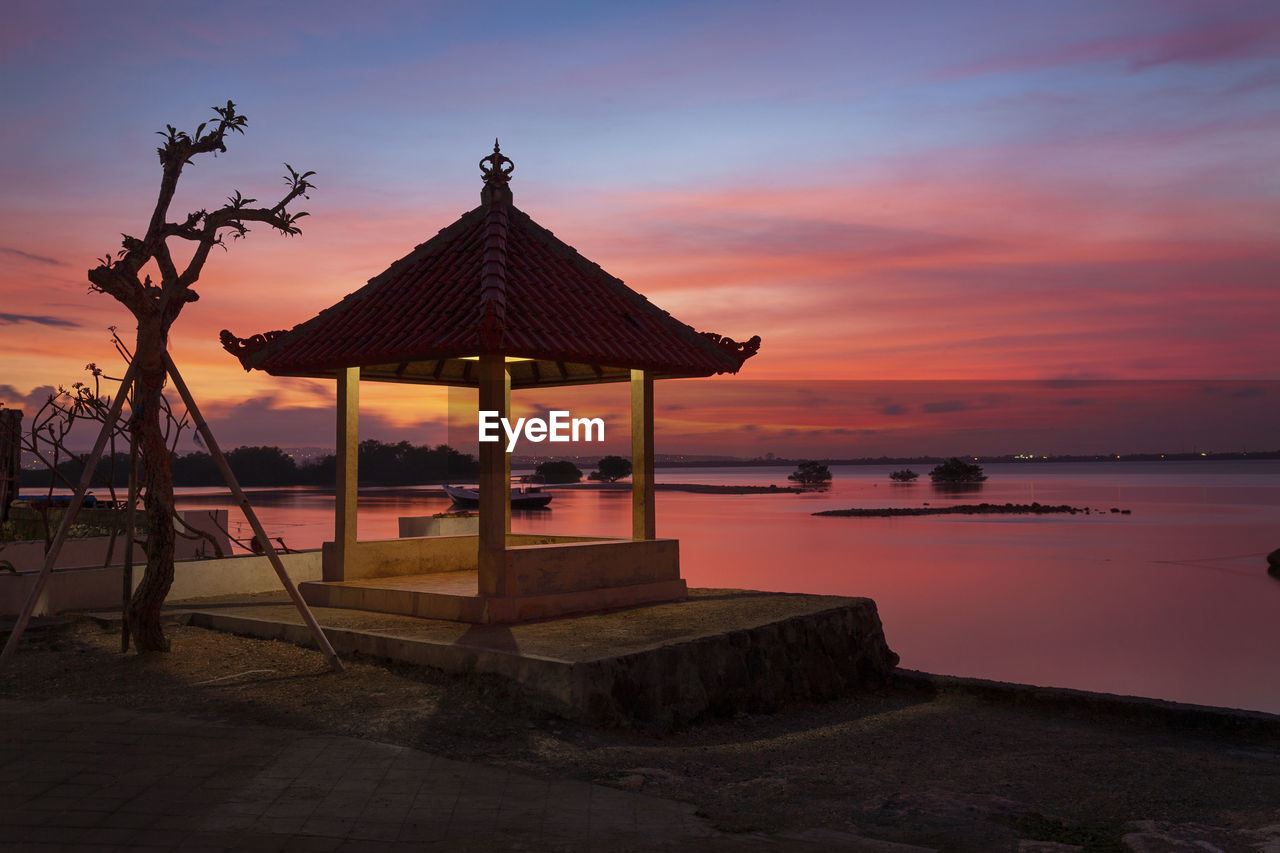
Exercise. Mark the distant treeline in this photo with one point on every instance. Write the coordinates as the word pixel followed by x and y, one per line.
pixel 380 464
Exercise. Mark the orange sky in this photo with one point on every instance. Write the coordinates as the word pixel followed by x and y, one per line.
pixel 1085 197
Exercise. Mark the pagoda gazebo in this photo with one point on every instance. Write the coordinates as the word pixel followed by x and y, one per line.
pixel 494 302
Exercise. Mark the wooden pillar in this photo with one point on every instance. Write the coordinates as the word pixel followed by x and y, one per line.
pixel 506 457
pixel 495 481
pixel 346 490
pixel 642 503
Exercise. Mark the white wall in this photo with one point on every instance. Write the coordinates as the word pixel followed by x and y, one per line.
pixel 100 588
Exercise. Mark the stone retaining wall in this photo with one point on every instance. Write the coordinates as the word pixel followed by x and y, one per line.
pixel 807 658
pixel 829 652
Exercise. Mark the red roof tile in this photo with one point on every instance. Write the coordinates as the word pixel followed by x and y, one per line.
pixel 493 282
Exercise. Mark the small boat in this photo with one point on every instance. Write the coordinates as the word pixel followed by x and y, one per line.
pixel 528 497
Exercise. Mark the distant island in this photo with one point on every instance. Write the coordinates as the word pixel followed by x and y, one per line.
pixel 965 509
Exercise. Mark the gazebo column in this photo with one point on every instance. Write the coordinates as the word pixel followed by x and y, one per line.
pixel 642 502
pixel 495 480
pixel 346 490
pixel 506 457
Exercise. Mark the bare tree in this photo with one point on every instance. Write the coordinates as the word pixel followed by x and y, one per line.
pixel 48 441
pixel 49 434
pixel 127 276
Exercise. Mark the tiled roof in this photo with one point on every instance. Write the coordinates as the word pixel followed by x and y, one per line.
pixel 493 282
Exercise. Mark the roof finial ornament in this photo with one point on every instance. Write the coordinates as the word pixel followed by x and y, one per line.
pixel 499 168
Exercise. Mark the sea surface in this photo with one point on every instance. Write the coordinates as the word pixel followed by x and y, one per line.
pixel 1171 600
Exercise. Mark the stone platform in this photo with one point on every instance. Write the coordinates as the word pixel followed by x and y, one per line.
pixel 658 666
pixel 453 596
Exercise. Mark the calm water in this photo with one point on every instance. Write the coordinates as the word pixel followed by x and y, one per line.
pixel 1172 601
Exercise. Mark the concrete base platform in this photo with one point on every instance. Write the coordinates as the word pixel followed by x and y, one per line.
pixel 658 666
pixel 454 596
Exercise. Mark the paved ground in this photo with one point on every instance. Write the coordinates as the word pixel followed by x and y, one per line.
pixel 78 776
pixel 100 750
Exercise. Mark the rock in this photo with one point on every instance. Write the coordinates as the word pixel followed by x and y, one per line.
pixel 955 509
pixel 1151 836
pixel 648 778
pixel 833 840
pixel 634 782
pixel 960 820
pixel 761 788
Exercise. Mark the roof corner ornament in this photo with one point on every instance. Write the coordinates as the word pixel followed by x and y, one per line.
pixel 499 168
pixel 741 351
pixel 245 348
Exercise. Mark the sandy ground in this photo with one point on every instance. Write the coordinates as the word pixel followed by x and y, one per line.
pixel 951 771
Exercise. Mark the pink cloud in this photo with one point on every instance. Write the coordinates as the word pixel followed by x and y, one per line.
pixel 1199 43
pixel 874 418
pixel 264 420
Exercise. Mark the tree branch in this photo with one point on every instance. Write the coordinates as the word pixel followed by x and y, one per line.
pixel 123 286
pixel 118 276
pixel 168 271
pixel 234 216
pixel 179 149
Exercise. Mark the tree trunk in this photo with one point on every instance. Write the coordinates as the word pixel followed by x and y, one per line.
pixel 10 458
pixel 157 485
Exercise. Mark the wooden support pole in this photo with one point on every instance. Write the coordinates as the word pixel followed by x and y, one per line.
pixel 86 477
pixel 347 488
pixel 234 485
pixel 126 573
pixel 495 482
pixel 643 523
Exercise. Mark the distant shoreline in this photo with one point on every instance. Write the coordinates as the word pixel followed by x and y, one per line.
pixel 985 460
pixel 969 509
pixel 211 490
pixel 434 490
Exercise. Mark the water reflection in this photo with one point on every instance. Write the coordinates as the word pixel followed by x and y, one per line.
pixel 1172 601
pixel 956 488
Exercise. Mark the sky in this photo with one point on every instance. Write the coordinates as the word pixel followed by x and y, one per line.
pixel 932 194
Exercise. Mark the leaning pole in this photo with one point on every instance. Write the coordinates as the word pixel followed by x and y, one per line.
pixel 232 483
pixel 86 477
